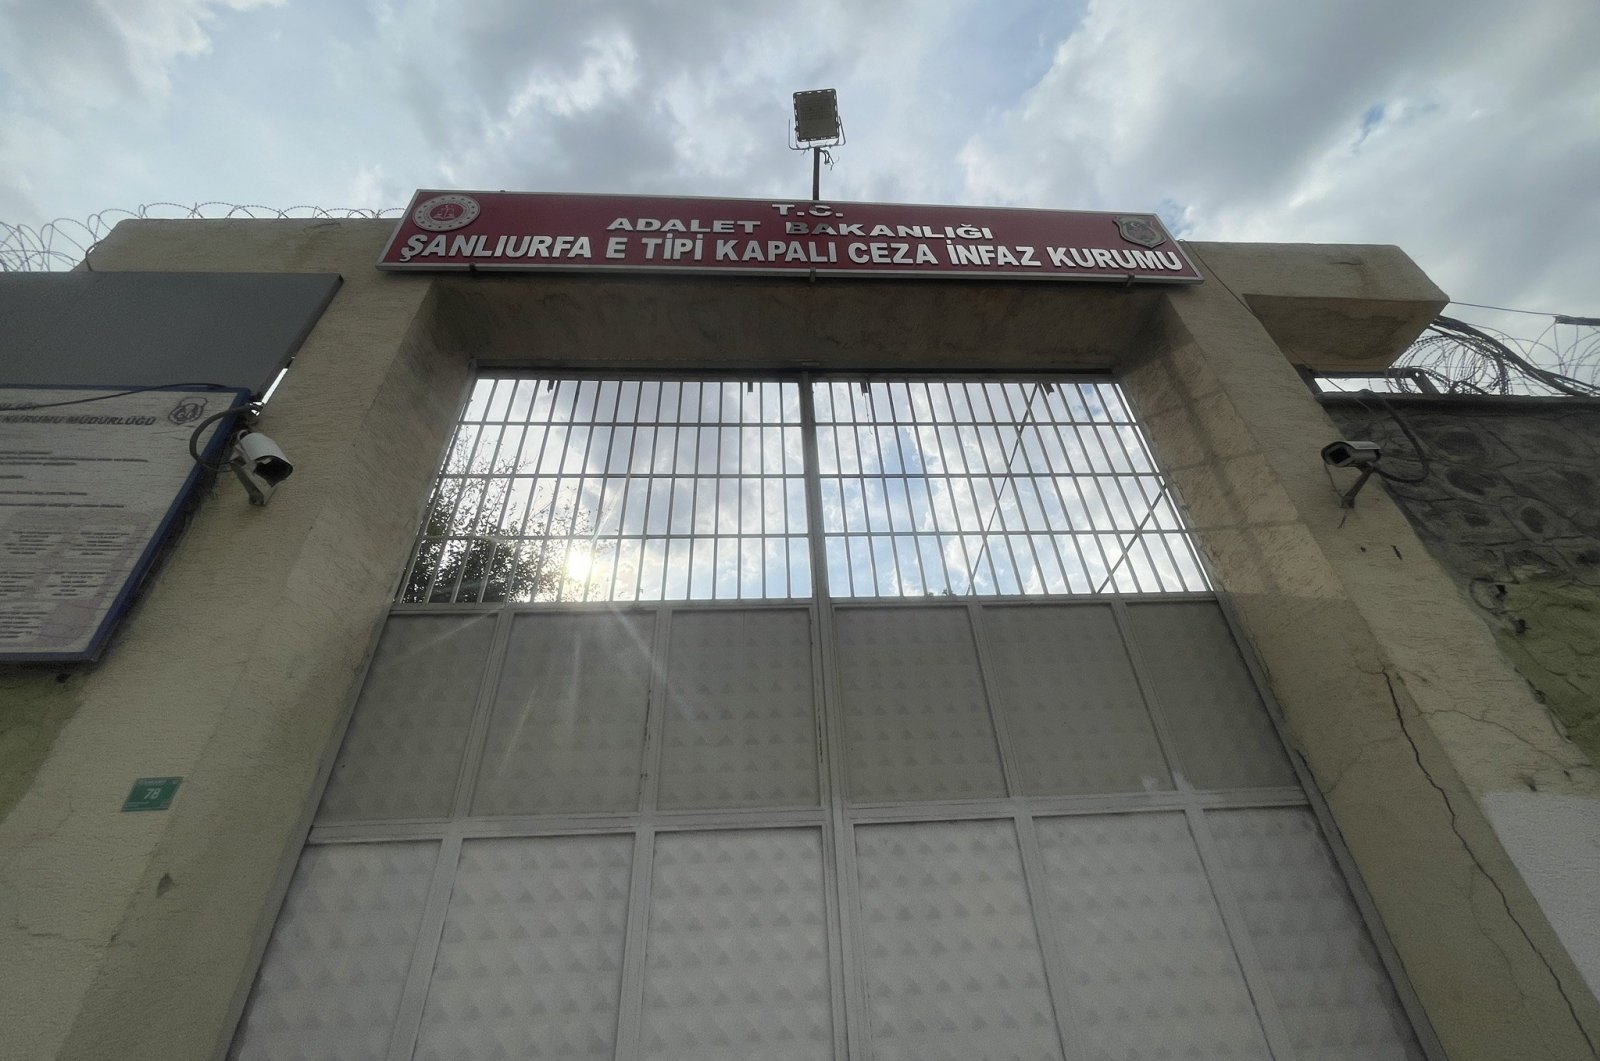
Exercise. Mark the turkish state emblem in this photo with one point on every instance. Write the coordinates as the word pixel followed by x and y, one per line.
pixel 445 213
pixel 1141 230
pixel 187 411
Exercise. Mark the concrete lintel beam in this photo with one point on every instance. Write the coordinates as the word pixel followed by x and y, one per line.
pixel 1329 308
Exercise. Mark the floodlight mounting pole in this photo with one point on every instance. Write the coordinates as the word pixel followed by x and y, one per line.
pixel 816 126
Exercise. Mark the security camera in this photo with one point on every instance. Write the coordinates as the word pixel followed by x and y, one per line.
pixel 1363 456
pixel 259 464
pixel 1346 454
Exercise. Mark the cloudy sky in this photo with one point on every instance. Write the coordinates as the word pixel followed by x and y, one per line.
pixel 1466 131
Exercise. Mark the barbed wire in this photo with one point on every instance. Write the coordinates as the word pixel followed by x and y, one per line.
pixel 65 242
pixel 1454 357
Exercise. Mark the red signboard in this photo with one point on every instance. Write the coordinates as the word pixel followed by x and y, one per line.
pixel 626 233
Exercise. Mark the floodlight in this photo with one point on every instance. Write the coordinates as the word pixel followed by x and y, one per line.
pixel 816 116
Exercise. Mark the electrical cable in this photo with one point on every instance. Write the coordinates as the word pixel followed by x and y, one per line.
pixel 1503 309
pixel 194 436
pixel 118 394
pixel 1411 436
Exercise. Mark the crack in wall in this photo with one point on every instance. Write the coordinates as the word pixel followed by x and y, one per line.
pixel 1564 765
pixel 1505 902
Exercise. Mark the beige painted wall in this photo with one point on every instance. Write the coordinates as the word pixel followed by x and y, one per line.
pixel 136 935
pixel 130 935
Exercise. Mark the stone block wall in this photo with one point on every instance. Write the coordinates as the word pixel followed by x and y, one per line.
pixel 1510 505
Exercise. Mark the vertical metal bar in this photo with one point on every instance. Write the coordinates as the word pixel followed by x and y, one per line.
pixel 627 481
pixel 991 694
pixel 475 524
pixel 525 539
pixel 694 512
pixel 545 534
pixel 883 479
pixel 905 483
pixel 839 476
pixel 866 504
pixel 655 714
pixel 946 473
pixel 1162 535
pixel 1008 482
pixel 716 507
pixel 761 492
pixel 649 488
pixel 843 879
pixel 915 427
pixel 1057 972
pixel 496 545
pixel 1094 529
pixel 450 523
pixel 600 509
pixel 1117 481
pixel 1186 536
pixel 1049 532
pixel 1066 513
pixel 427 515
pixel 482 715
pixel 572 528
pixel 414 996
pixel 630 1009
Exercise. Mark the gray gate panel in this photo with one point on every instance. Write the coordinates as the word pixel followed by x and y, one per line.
pixel 403 751
pixel 737 952
pixel 1223 735
pixel 567 734
pixel 331 980
pixel 1326 977
pixel 1078 722
pixel 740 729
pixel 917 724
pixel 1152 971
pixel 954 969
pixel 530 963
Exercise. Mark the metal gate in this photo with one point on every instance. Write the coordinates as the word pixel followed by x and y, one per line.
pixel 896 721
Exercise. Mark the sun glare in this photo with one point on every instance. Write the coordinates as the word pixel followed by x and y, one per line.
pixel 579 563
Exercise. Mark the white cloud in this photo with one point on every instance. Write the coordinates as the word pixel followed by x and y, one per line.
pixel 68 54
pixel 1460 129
pixel 1462 132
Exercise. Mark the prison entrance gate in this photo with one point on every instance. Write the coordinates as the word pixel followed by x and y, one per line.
pixel 894 719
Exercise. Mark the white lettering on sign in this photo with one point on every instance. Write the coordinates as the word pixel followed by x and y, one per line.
pixel 654 224
pixel 533 232
pixel 886 252
pixel 568 247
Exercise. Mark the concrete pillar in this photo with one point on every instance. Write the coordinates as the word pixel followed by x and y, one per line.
pixel 1392 689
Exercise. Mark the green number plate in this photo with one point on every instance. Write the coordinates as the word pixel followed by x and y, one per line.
pixel 152 793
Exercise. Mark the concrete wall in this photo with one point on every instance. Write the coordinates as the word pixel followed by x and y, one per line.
pixel 137 935
pixel 134 935
pixel 1509 503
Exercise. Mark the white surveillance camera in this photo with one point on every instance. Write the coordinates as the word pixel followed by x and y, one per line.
pixel 1347 454
pixel 259 464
